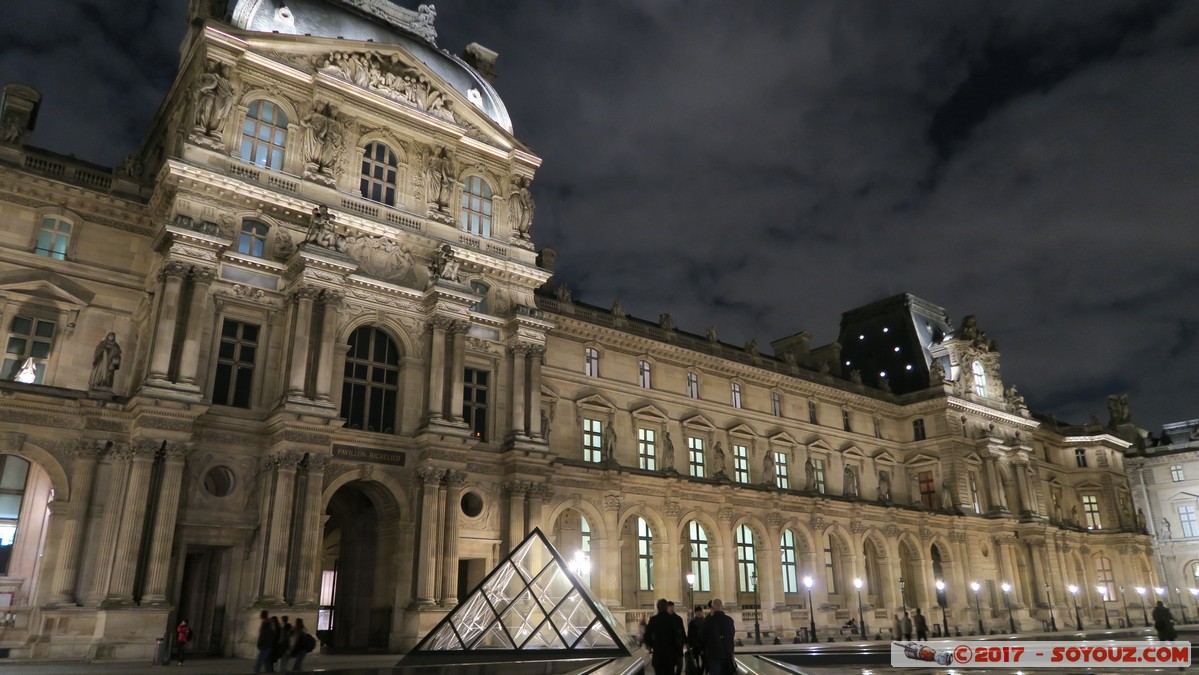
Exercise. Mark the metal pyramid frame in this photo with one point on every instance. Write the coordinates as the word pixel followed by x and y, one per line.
pixel 530 607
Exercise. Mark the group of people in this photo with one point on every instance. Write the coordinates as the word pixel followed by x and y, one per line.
pixel 279 641
pixel 706 644
pixel 902 628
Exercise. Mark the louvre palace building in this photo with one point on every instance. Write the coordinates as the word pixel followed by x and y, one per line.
pixel 300 353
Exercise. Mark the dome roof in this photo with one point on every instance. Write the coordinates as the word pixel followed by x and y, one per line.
pixel 374 21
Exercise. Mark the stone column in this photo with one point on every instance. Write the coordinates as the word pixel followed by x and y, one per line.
pixel 457 369
pixel 536 356
pixel 1022 491
pixel 426 554
pixel 609 567
pixel 331 301
pixel 518 389
pixel 438 326
pixel 133 516
pixel 278 525
pixel 517 492
pixel 163 535
pixel 454 481
pixel 189 358
pixel 997 503
pixel 110 522
pixel 538 496
pixel 298 368
pixel 66 567
pixel 308 571
pixel 168 314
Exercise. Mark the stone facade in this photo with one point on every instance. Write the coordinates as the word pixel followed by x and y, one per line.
pixel 293 356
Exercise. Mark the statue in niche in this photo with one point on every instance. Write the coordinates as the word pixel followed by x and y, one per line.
pixel 520 207
pixel 1166 534
pixel 440 175
pixel 1013 401
pixel 884 487
pixel 949 500
pixel 322 142
pixel 131 166
pixel 1141 521
pixel 768 469
pixel 1074 515
pixel 855 376
pixel 809 469
pixel 213 98
pixel 665 322
pixel 1118 410
pixel 609 444
pixel 322 232
pixel 284 246
pixel 547 418
pixel 712 334
pixel 618 310
pixel 105 361
pixel 936 373
pixel 667 453
pixel 718 460
pixel 851 482
pixel 1003 481
pixel 444 265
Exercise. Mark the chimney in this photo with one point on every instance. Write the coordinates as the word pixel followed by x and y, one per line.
pixel 481 59
pixel 18 112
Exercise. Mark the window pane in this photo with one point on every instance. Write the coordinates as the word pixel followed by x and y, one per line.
pixel 10 506
pixel 15 472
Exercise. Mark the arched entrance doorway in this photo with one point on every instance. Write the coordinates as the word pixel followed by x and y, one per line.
pixel 25 491
pixel 357 595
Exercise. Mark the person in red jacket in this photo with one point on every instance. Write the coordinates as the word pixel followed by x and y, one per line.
pixel 183 635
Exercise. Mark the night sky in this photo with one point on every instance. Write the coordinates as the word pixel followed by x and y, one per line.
pixel 764 166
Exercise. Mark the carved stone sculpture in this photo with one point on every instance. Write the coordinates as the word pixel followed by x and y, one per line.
pixel 105 361
pixel 284 245
pixel 423 26
pixel 1140 520
pixel 609 444
pixel 1013 401
pixel 323 140
pixel 752 347
pixel 936 373
pixel 665 322
pixel 884 486
pixel 809 469
pixel 949 500
pixel 382 258
pixel 321 231
pixel 717 460
pixel 855 376
pixel 1166 533
pixel 443 264
pixel 1118 410
pixel 618 310
pixel 851 482
pixel 769 476
pixel 1074 515
pixel 667 453
pixel 712 334
pixel 562 293
pixel 213 97
pixel 439 176
pixel 520 207
pixel 884 384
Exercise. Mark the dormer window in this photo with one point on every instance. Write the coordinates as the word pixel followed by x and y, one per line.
pixel 379 166
pixel 53 237
pixel 252 240
pixel 475 216
pixel 980 379
pixel 264 135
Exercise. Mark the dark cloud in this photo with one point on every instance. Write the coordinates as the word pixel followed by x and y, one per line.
pixel 764 166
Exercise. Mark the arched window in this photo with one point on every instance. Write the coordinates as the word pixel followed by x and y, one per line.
pixel 378 182
pixel 980 379
pixel 1107 581
pixel 476 206
pixel 1195 575
pixel 482 289
pixel 697 538
pixel 585 549
pixel 264 136
pixel 645 555
pixel 747 564
pixel 831 573
pixel 790 568
pixel 643 374
pixel 13 473
pixel 252 240
pixel 370 390
pixel 53 237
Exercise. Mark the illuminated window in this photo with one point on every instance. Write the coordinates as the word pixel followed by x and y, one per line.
pixel 593 440
pixel 378 182
pixel 647 454
pixel 928 489
pixel 845 421
pixel 818 464
pixel 238 350
pixel 790 568
pixel 740 463
pixel 371 388
pixel 645 556
pixel 591 362
pixel 1090 506
pixel 830 570
pixel 692 385
pixel 695 456
pixel 1187 515
pixel 1103 573
pixel 29 339
pixel 736 395
pixel 782 477
pixel 643 374
pixel 700 564
pixel 980 379
pixel 585 547
pixel 812 412
pixel 13 473
pixel 776 404
pixel 482 289
pixel 476 206
pixel 264 136
pixel 53 237
pixel 974 498
pixel 747 566
pixel 252 240
pixel 474 401
pixel 918 430
pixel 1176 474
pixel 1080 457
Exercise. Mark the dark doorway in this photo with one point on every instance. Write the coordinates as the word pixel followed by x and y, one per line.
pixel 202 598
pixel 470 573
pixel 356 621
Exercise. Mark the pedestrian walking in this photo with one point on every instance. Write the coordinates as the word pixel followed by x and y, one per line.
pixel 719 634
pixel 183 635
pixel 303 643
pixel 896 627
pixel 265 663
pixel 678 621
pixel 907 626
pixel 695 642
pixel 284 644
pixel 664 638
pixel 921 625
pixel 1163 623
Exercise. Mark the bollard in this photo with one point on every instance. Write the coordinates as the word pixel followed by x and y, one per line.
pixel 159 644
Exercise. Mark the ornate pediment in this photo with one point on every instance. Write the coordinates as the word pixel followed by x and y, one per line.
pixel 50 287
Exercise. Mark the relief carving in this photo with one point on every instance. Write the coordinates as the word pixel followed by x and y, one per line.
pixel 213 99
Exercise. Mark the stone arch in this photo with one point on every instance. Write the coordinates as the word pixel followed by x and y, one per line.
pixel 385 492
pixel 386 323
pixel 805 539
pixel 943 548
pixel 289 108
pixel 656 525
pixel 595 517
pixel 388 139
pixel 716 535
pixel 48 462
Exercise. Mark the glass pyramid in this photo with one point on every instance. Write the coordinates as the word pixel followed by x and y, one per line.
pixel 531 605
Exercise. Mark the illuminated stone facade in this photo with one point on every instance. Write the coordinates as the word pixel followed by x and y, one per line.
pixel 333 391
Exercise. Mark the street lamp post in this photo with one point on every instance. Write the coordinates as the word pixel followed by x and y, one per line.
pixel 690 591
pixel 1144 612
pixel 1124 603
pixel 902 606
pixel 941 601
pixel 977 607
pixel 1103 602
pixel 807 582
pixel 1049 600
pixel 753 579
pixel 857 583
pixel 1011 621
pixel 1077 616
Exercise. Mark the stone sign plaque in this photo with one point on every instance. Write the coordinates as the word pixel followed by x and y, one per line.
pixel 372 455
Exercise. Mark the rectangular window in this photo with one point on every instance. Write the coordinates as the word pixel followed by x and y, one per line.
pixel 585 548
pixel 790 568
pixel 474 401
pixel 776 404
pixel 236 355
pixel 30 341
pixel 644 374
pixel 1080 458
pixel 740 463
pixel 591 362
pixel 692 385
pixel 974 498
pixel 830 571
pixel 1107 580
pixel 918 430
pixel 812 412
pixel 845 421
pixel 700 562
pixel 593 440
pixel 782 475
pixel 1176 474
pixel 736 395
pixel 1090 506
pixel 818 464
pixel 695 456
pixel 747 565
pixel 928 489
pixel 52 238
pixel 647 453
pixel 1187 515
pixel 645 556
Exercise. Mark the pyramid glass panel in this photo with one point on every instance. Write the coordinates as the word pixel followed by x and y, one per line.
pixel 473 617
pixel 523 617
pixel 546 637
pixel 596 637
pixel 443 639
pixel 572 617
pixel 551 586
pixel 494 638
pixel 505 585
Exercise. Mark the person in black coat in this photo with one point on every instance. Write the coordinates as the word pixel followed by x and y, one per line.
pixel 664 639
pixel 1163 623
pixel 695 638
pixel 719 634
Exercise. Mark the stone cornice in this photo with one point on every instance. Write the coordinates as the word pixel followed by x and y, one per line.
pixel 1097 439
pixel 958 404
